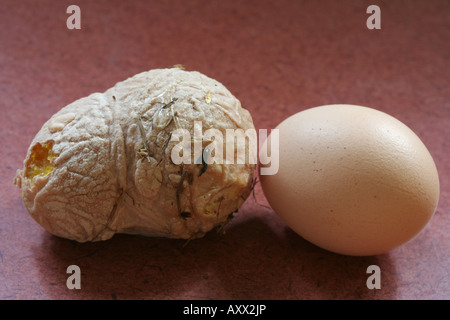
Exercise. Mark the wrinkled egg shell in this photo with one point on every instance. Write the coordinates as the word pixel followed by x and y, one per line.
pixel 352 180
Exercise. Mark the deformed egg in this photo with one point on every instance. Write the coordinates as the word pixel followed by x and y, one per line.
pixel 352 180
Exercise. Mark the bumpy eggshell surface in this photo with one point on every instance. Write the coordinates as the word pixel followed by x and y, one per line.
pixel 352 179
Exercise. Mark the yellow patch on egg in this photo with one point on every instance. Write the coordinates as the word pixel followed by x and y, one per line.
pixel 40 162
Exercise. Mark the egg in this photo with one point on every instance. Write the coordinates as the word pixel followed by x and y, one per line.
pixel 351 179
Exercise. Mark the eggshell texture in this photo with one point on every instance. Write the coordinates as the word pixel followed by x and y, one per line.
pixel 352 179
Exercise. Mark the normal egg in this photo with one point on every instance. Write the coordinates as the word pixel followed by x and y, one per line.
pixel 351 179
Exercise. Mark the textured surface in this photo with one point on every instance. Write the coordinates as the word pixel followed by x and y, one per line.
pixel 105 180
pixel 277 57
